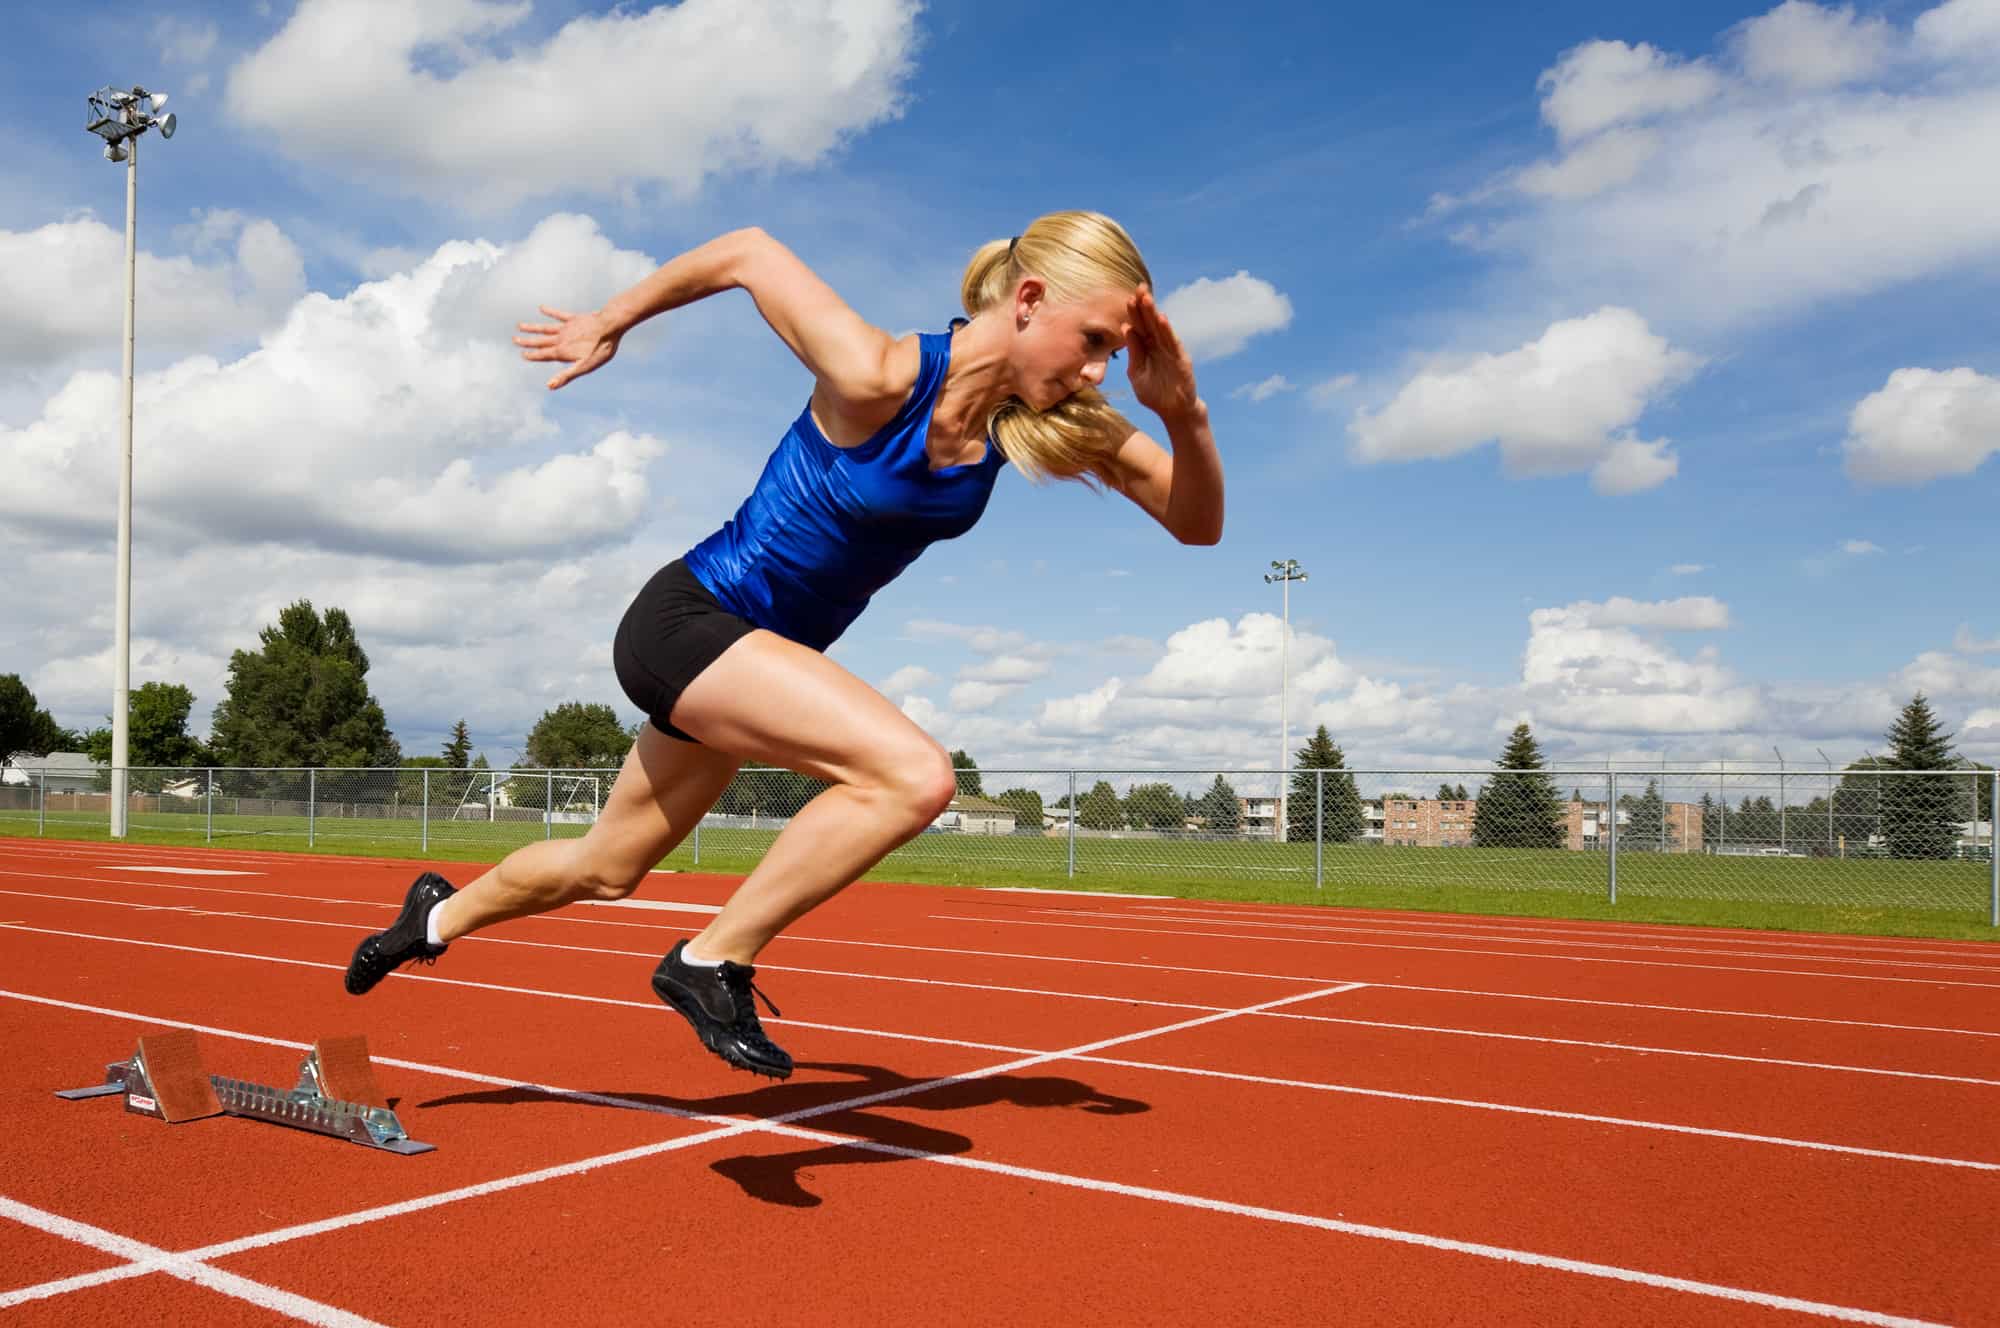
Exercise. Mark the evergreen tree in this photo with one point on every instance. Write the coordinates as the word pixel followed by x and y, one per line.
pixel 1711 824
pixel 1337 814
pixel 1220 811
pixel 1100 809
pixel 458 752
pixel 1519 807
pixel 302 699
pixel 968 774
pixel 1918 814
pixel 1645 828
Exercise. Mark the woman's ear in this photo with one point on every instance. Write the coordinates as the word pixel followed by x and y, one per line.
pixel 1028 297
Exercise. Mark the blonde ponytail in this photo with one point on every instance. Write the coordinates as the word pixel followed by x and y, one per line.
pixel 1075 254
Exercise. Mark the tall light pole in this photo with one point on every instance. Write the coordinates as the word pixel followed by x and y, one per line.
pixel 1284 573
pixel 119 118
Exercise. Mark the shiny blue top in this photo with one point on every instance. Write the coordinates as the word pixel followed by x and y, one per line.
pixel 826 527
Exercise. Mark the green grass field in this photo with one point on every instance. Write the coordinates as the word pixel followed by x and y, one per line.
pixel 1878 897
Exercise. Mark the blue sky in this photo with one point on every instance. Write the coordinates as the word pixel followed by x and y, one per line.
pixel 1631 372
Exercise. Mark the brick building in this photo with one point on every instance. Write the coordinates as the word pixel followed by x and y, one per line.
pixel 1585 827
pixel 1428 822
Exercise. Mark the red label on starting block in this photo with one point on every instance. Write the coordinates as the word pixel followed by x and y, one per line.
pixel 139 1103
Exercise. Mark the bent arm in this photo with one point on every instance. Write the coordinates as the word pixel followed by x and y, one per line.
pixel 1182 489
pixel 856 363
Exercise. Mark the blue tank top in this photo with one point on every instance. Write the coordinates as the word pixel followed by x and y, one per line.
pixel 826 527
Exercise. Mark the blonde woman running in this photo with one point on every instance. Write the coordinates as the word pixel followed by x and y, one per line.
pixel 898 447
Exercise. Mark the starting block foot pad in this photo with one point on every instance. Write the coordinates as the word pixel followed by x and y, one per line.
pixel 171 1066
pixel 338 1067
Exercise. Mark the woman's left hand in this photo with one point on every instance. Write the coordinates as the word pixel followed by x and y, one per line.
pixel 1162 374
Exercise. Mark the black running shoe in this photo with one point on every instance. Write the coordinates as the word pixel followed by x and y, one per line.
pixel 386 951
pixel 718 1002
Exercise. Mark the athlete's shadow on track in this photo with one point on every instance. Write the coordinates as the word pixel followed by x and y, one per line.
pixel 777 1178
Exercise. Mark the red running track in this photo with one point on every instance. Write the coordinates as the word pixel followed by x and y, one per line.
pixel 1010 1107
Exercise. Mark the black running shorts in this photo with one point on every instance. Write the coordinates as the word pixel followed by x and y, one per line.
pixel 674 630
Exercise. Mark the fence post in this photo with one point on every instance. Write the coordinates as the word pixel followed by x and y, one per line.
pixel 549 805
pixel 1072 824
pixel 697 840
pixel 1611 811
pixel 312 802
pixel 1319 829
pixel 208 796
pixel 424 835
pixel 1992 848
pixel 42 803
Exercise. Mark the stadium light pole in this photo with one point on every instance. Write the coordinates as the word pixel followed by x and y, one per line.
pixel 1284 573
pixel 119 117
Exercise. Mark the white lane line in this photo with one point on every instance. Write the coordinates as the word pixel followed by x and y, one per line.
pixel 1640 1049
pixel 551 945
pixel 1498 928
pixel 1091 962
pixel 665 905
pixel 174 871
pixel 1051 890
pixel 150 1258
pixel 1519 939
pixel 147 1258
pixel 67 849
pixel 1461 950
pixel 1475 1104
pixel 785 1126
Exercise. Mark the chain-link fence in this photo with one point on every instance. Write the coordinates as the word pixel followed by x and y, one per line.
pixel 1866 837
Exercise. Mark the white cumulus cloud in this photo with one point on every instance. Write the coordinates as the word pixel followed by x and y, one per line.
pixel 1804 45
pixel 1780 173
pixel 63 286
pixel 1215 319
pixel 1588 667
pixel 442 99
pixel 1565 402
pixel 372 422
pixel 1924 425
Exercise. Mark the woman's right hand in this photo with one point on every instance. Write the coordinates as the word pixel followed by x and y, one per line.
pixel 584 342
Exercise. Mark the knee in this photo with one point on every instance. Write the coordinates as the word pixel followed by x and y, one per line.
pixel 927 782
pixel 598 878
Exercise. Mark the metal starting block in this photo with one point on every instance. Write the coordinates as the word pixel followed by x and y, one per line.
pixel 337 1093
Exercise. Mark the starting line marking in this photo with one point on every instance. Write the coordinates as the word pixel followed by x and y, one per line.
pixel 177 871
pixel 665 905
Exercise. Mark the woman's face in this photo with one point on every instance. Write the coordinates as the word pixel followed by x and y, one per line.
pixel 1062 347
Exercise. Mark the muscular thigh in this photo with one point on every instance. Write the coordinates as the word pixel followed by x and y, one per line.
pixel 664 787
pixel 771 700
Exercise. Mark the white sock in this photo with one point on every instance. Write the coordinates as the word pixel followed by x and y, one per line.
pixel 688 956
pixel 431 924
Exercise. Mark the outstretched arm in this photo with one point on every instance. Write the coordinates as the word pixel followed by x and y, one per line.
pixel 1182 490
pixel 857 365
